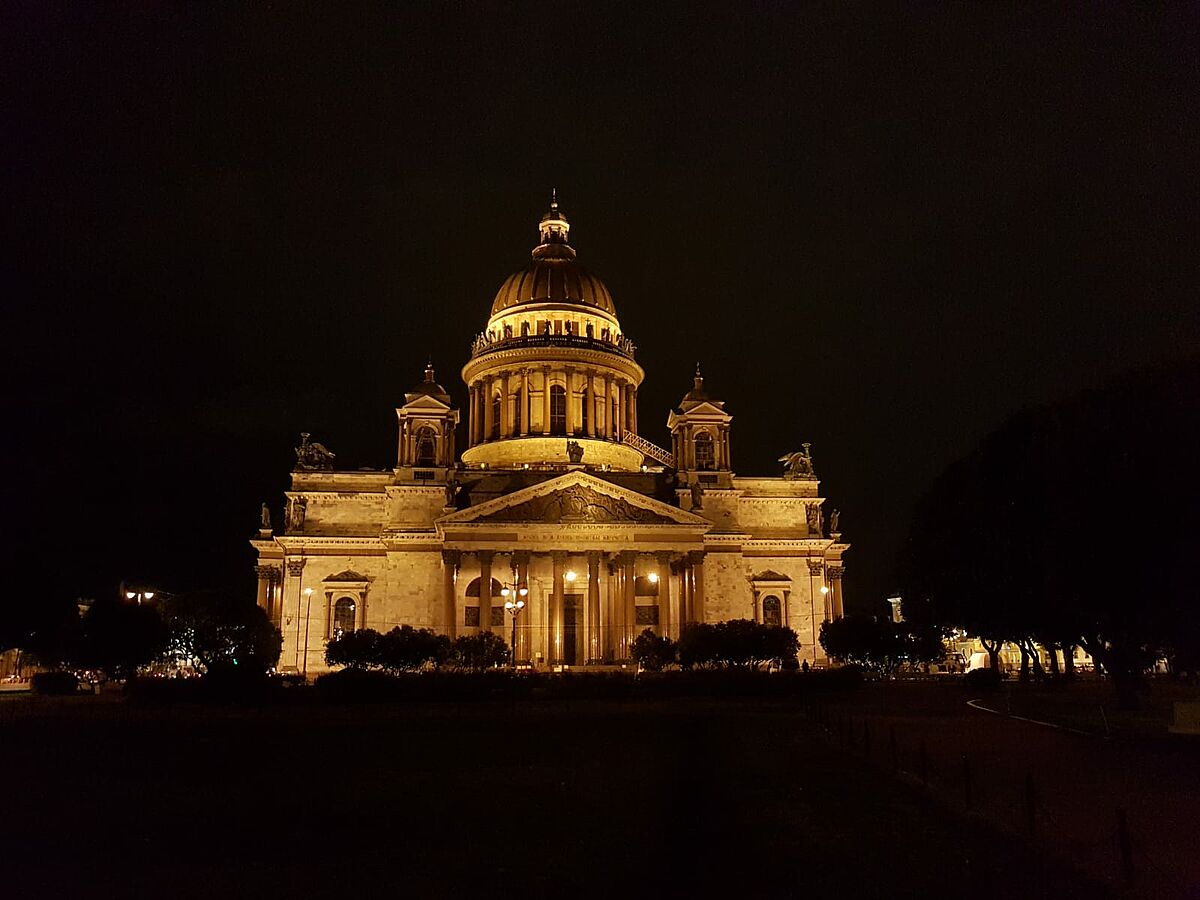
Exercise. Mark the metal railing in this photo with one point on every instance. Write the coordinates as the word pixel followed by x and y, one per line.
pixel 643 446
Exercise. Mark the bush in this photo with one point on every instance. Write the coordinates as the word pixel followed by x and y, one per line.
pixel 53 683
pixel 652 652
pixel 983 679
pixel 737 643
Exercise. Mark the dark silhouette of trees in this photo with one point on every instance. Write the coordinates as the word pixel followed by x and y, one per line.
pixel 1075 523
pixel 881 644
pixel 214 630
pixel 119 638
pixel 738 643
pixel 652 652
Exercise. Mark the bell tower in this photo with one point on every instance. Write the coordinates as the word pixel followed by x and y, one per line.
pixel 426 431
pixel 700 438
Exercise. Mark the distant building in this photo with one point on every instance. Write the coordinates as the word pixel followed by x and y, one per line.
pixel 557 493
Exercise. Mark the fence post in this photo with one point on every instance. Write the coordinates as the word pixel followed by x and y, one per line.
pixel 1125 845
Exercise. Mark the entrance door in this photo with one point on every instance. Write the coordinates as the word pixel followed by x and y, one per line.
pixel 572 625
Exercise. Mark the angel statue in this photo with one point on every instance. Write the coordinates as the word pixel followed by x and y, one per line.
pixel 799 463
pixel 266 518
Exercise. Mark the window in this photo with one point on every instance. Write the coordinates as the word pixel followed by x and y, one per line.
pixel 497 616
pixel 495 417
pixel 476 584
pixel 426 447
pixel 471 616
pixel 645 586
pixel 772 611
pixel 704 451
pixel 343 616
pixel 558 409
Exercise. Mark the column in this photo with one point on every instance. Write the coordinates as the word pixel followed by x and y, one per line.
pixel 626 397
pixel 487 410
pixel 698 587
pixel 569 375
pixel 505 411
pixel 595 646
pixel 554 632
pixel 525 620
pixel 663 560
pixel 629 600
pixel 526 406
pixel 546 400
pixel 589 399
pixel 608 630
pixel 264 584
pixel 470 415
pixel 450 560
pixel 485 590
pixel 360 610
pixel 835 589
pixel 755 595
pixel 633 409
pixel 295 573
pixel 608 408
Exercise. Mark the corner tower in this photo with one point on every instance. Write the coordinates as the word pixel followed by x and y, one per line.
pixel 552 367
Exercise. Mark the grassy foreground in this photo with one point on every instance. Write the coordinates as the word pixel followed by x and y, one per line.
pixel 681 798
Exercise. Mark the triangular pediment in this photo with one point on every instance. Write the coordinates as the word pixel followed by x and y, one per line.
pixel 575 498
pixel 423 402
pixel 346 575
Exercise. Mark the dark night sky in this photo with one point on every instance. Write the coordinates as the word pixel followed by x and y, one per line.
pixel 882 232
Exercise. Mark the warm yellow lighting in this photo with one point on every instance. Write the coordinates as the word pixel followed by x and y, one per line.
pixel 308 592
pixel 149 595
pixel 570 576
pixel 509 604
pixel 653 577
pixel 129 595
pixel 520 604
pixel 504 592
pixel 523 591
pixel 824 590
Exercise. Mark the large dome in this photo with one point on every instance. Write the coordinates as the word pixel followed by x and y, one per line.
pixel 553 275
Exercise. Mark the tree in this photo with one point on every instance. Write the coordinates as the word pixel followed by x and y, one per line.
pixel 881 644
pixel 406 649
pixel 477 652
pixel 216 630
pixel 652 652
pixel 1024 539
pixel 735 643
pixel 119 638
pixel 358 649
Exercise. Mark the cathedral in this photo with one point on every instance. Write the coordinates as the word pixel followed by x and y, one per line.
pixel 557 525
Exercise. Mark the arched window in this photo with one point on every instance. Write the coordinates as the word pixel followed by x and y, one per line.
pixel 426 447
pixel 558 409
pixel 518 409
pixel 772 611
pixel 343 616
pixel 476 584
pixel 495 417
pixel 704 451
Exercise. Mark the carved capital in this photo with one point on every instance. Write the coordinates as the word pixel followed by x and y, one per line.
pixel 696 557
pixel 295 567
pixel 814 567
pixel 452 558
pixel 835 572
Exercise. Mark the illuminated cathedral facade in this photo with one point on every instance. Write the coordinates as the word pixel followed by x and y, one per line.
pixel 556 500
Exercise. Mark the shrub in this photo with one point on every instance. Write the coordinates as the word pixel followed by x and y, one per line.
pixel 652 652
pixel 983 679
pixel 737 643
pixel 477 652
pixel 54 683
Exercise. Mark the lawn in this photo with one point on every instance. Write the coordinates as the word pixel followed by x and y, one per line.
pixel 701 798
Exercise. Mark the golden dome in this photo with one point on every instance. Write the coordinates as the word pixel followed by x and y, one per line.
pixel 554 275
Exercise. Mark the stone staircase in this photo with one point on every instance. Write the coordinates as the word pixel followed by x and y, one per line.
pixel 644 447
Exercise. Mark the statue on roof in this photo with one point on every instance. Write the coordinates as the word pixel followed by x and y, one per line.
pixel 313 455
pixel 799 463
pixel 265 518
pixel 574 452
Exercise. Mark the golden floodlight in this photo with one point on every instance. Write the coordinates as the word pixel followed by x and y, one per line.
pixel 653 578
pixel 570 576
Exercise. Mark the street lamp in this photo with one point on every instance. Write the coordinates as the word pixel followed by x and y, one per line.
pixel 140 596
pixel 307 617
pixel 514 601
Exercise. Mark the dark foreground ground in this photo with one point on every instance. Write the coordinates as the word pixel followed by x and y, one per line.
pixel 105 798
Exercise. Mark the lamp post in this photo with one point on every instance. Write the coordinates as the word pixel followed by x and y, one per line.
pixel 824 595
pixel 307 618
pixel 140 596
pixel 514 601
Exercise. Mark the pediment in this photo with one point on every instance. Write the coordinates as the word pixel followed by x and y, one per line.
pixel 346 575
pixel 422 402
pixel 575 498
pixel 770 575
